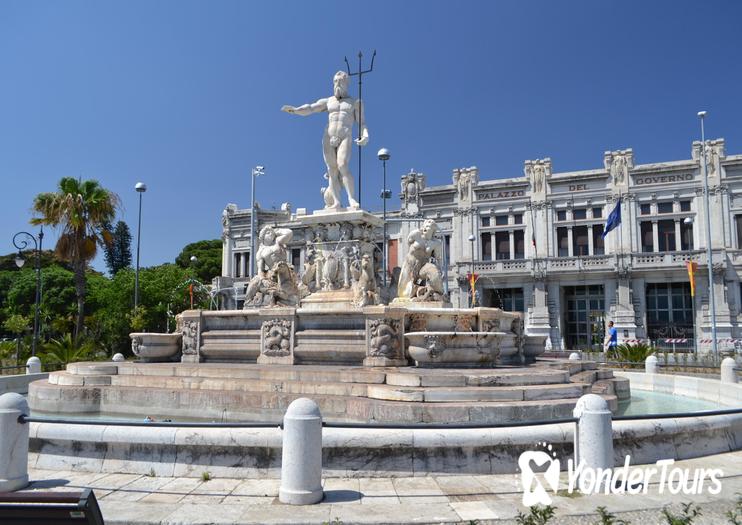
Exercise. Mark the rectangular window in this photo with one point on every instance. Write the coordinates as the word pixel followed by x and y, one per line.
pixel 579 214
pixel 501 220
pixel 486 242
pixel 485 221
pixel 645 209
pixel 520 245
pixel 296 258
pixel 562 242
pixel 738 221
pixel 447 240
pixel 686 236
pixel 666 231
pixel 508 299
pixel 237 265
pixel 598 244
pixel 580 246
pixel 597 213
pixel 664 207
pixel 518 218
pixel 647 236
pixel 561 215
pixel 684 205
pixel 502 245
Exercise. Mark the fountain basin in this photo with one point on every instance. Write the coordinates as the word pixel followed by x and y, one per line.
pixel 152 347
pixel 459 348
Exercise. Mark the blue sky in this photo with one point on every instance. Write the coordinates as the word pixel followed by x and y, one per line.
pixel 185 96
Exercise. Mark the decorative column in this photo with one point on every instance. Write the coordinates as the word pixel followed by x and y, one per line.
pixel 538 172
pixel 619 164
pixel 590 247
pixel 511 235
pixel 678 238
pixel 655 237
pixel 570 238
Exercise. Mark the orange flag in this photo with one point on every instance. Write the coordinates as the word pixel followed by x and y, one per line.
pixel 692 267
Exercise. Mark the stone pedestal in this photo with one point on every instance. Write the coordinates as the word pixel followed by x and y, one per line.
pixel 277 336
pixel 342 261
pixel 384 336
pixel 189 324
pixel 624 317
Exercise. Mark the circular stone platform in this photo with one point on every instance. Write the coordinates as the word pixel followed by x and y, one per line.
pixel 546 389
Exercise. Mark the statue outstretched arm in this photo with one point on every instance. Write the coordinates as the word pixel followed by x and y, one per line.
pixel 307 109
pixel 361 119
pixel 283 236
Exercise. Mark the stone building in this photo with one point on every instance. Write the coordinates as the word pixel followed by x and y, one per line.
pixel 536 243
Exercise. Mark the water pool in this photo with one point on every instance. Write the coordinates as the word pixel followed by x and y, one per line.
pixel 644 402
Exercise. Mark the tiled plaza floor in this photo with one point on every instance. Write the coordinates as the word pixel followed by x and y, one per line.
pixel 137 499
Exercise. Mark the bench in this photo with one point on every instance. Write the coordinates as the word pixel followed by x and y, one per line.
pixel 49 508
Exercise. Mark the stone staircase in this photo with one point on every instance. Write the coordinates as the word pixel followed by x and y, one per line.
pixel 251 392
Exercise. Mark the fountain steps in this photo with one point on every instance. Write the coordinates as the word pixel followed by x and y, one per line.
pixel 357 394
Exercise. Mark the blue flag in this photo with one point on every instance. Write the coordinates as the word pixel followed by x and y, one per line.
pixel 614 219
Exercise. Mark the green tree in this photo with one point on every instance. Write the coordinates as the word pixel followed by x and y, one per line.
pixel 118 251
pixel 67 350
pixel 208 262
pixel 81 209
pixel 17 325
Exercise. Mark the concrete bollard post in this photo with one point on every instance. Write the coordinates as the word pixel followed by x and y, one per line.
pixel 650 365
pixel 728 374
pixel 33 365
pixel 117 358
pixel 13 442
pixel 301 457
pixel 594 433
pixel 574 356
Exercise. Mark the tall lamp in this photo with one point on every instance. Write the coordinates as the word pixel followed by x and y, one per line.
pixel 140 188
pixel 257 171
pixel 384 155
pixel 709 254
pixel 21 243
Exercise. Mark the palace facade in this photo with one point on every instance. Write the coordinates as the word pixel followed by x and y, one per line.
pixel 536 244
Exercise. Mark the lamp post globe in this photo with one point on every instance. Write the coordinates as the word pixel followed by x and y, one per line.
pixel 688 220
pixel 194 258
pixel 140 187
pixel 19 260
pixel 384 154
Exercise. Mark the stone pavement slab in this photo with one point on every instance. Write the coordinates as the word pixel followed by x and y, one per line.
pixel 143 500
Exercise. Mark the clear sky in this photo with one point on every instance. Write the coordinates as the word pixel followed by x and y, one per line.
pixel 185 96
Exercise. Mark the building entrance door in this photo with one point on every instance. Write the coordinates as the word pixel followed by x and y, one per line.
pixel 584 321
pixel 670 314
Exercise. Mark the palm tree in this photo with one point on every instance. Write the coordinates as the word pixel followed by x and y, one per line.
pixel 81 209
pixel 66 350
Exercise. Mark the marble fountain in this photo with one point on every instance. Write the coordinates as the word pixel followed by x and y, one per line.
pixel 327 333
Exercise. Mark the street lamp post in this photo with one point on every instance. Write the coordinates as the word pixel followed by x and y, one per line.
pixel 709 254
pixel 384 155
pixel 140 187
pixel 256 172
pixel 472 278
pixel 21 244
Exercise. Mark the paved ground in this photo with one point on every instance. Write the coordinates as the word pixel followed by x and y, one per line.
pixel 136 499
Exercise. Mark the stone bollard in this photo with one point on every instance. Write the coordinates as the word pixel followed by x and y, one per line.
pixel 650 365
pixel 301 457
pixel 117 358
pixel 33 365
pixel 594 433
pixel 574 356
pixel 728 374
pixel 13 442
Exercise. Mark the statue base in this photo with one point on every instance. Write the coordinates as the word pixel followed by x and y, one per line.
pixel 414 305
pixel 340 272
